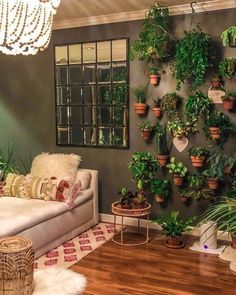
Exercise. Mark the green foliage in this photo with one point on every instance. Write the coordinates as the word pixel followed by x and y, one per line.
pixel 146 126
pixel 224 213
pixel 153 71
pixel 228 161
pixel 181 129
pixel 172 225
pixel 157 102
pixel 177 167
pixel 144 168
pixel 228 37
pixel 215 170
pixel 140 93
pixel 160 187
pixel 198 151
pixel 229 95
pixel 197 105
pixel 227 67
pixel 170 102
pixel 154 44
pixel 163 145
pixel 7 162
pixel 130 200
pixel 192 57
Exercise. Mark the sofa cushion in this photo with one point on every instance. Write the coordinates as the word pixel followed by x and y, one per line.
pixel 62 166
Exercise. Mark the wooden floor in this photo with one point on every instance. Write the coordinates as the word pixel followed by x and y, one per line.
pixel 153 269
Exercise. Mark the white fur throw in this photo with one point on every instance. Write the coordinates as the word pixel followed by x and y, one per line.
pixel 56 165
pixel 58 281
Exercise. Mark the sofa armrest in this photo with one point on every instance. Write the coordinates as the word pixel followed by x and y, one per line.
pixel 94 186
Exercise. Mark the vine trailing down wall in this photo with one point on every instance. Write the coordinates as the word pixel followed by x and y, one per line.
pixel 178 120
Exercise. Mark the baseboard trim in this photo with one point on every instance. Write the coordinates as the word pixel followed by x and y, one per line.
pixel 130 221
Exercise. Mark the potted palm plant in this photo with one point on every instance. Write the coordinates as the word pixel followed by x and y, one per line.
pixel 161 189
pixel 178 170
pixel 140 93
pixel 146 129
pixel 224 212
pixel 228 100
pixel 173 227
pixel 156 107
pixel 154 76
pixel 163 146
pixel 144 168
pixel 228 37
pixel 198 156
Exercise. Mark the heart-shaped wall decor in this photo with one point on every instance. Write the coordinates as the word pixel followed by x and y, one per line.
pixel 180 144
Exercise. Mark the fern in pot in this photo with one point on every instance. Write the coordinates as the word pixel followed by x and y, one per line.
pixel 163 145
pixel 172 227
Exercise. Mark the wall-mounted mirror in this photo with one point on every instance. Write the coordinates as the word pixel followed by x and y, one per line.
pixel 92 97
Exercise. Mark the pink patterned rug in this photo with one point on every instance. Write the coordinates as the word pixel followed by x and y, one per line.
pixel 72 251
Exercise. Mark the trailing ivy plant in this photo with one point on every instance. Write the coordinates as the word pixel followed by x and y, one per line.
pixel 155 44
pixel 192 57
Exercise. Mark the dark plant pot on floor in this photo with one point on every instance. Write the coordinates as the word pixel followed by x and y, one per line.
pixel 174 242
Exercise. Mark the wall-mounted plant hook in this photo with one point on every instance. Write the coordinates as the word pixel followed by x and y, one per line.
pixel 193 12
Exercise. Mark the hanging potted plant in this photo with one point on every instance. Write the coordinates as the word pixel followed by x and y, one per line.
pixel 154 76
pixel 161 189
pixel 140 93
pixel 227 67
pixel 192 58
pixel 181 129
pixel 156 107
pixel 144 168
pixel 218 125
pixel 228 37
pixel 163 146
pixel 178 170
pixel 146 129
pixel 214 174
pixel 173 227
pixel 228 100
pixel 198 156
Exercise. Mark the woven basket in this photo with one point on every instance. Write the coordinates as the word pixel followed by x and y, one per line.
pixel 16 266
pixel 130 212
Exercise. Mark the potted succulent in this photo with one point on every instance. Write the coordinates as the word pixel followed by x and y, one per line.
pixel 163 146
pixel 156 107
pixel 154 76
pixel 214 174
pixel 227 67
pixel 130 200
pixel 140 93
pixel 178 170
pixel 197 105
pixel 161 189
pixel 216 82
pixel 146 129
pixel 218 124
pixel 173 227
pixel 144 168
pixel 170 102
pixel 228 100
pixel 198 156
pixel 224 212
pixel 192 57
pixel 228 37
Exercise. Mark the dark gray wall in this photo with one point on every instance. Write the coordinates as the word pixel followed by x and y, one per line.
pixel 27 104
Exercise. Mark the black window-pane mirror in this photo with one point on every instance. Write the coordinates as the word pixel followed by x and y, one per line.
pixel 92 100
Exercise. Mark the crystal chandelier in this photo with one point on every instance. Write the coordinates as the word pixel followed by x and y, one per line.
pixel 26 25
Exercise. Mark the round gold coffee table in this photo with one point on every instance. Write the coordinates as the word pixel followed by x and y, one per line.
pixel 134 213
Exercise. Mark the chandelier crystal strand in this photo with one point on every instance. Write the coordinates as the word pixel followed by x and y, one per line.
pixel 26 25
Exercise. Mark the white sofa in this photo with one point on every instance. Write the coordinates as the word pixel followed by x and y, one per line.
pixel 49 224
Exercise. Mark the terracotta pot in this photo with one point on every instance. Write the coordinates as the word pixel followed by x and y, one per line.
pixel 153 79
pixel 227 170
pixel 178 180
pixel 233 237
pixel 215 132
pixel 213 183
pixel 216 82
pixel 232 42
pixel 228 104
pixel 163 160
pixel 174 242
pixel 156 111
pixel 159 199
pixel 140 108
pixel 197 161
pixel 146 134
